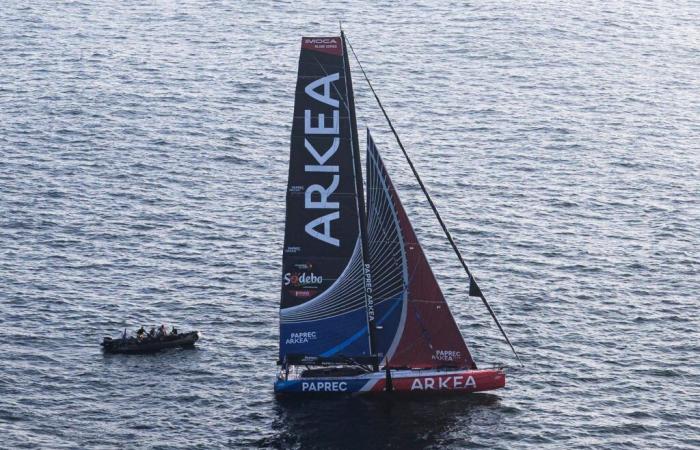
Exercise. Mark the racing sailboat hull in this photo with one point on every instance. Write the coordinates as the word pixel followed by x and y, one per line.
pixel 402 381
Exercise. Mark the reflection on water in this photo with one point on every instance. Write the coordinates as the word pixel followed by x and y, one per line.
pixel 381 422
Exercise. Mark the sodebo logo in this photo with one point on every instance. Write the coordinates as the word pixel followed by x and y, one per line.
pixel 302 279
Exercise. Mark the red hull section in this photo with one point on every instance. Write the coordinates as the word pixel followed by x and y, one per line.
pixel 449 382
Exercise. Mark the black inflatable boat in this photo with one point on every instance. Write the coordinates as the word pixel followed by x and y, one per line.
pixel 147 344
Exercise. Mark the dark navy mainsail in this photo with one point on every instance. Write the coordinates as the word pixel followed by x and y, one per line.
pixel 323 303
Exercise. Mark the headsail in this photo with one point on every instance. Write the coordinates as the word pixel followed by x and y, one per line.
pixel 415 326
pixel 323 310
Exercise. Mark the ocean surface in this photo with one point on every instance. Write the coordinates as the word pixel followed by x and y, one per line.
pixel 143 165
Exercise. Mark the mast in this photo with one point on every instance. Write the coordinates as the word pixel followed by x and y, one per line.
pixel 371 325
pixel 474 290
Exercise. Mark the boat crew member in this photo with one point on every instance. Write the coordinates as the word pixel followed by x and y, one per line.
pixel 152 333
pixel 174 331
pixel 163 331
pixel 140 332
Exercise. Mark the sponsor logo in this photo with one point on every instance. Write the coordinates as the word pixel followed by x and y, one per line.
pixel 438 383
pixel 301 337
pixel 302 280
pixel 324 386
pixel 368 289
pixel 447 355
pixel 318 196
pixel 320 41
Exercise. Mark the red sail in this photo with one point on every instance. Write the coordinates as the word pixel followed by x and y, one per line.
pixel 429 336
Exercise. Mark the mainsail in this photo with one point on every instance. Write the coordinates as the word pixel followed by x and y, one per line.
pixel 415 327
pixel 323 303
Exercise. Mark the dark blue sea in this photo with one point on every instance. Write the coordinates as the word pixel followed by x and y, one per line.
pixel 143 164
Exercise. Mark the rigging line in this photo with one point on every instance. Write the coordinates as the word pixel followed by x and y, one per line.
pixel 432 205
pixel 360 201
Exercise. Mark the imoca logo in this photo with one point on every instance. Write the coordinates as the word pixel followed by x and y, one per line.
pixel 321 41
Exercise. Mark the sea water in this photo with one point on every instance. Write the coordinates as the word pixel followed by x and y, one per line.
pixel 143 164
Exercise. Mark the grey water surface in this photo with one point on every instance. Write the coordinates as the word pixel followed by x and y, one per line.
pixel 143 164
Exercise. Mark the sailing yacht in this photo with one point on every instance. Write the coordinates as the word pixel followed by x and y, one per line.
pixel 361 311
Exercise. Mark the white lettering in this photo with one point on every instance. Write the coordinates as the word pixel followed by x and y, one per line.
pixel 321 128
pixel 326 81
pixel 324 193
pixel 326 156
pixel 325 386
pixel 446 355
pixel 326 220
pixel 368 289
pixel 456 382
pixel 443 382
pixel 320 41
pixel 470 382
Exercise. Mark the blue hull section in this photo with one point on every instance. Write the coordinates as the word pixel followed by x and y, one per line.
pixel 320 386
